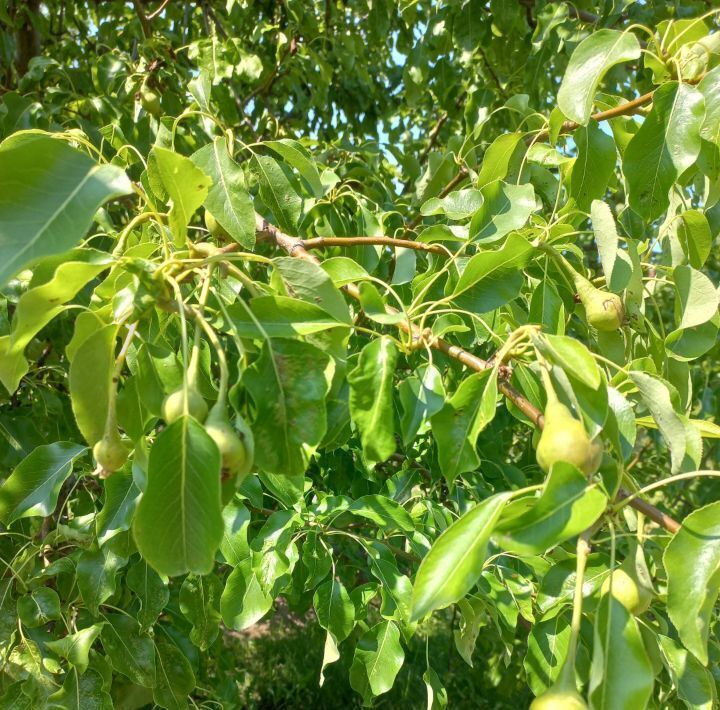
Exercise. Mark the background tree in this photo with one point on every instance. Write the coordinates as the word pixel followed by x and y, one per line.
pixel 399 319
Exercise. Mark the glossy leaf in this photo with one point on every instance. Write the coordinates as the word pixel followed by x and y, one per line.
pixel 371 398
pixel 174 674
pixel 667 143
pixel 457 425
pixel 692 562
pixel 594 165
pixel 621 677
pixel 91 374
pixel 178 526
pixel 48 211
pixel 200 605
pixel 97 571
pixel 288 383
pixel 130 651
pixel 185 186
pixel 76 647
pixel 151 589
pixel 34 485
pixel 454 563
pixel 57 281
pixel 567 506
pixel 227 198
pixel 377 661
pixel 505 207
pixel 588 64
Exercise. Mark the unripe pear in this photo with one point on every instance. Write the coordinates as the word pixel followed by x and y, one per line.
pixel 635 597
pixel 604 310
pixel 564 439
pixel 174 405
pixel 558 700
pixel 215 228
pixel 110 452
pixel 150 101
pixel 232 449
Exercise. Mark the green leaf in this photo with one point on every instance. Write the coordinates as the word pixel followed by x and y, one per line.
pixel 227 199
pixel 588 64
pixel 56 281
pixel 667 144
pixel 245 599
pixel 34 486
pixel 121 499
pixel 97 572
pixel 288 384
pixel 178 525
pixel 572 356
pixel 91 374
pixel 616 263
pixel 76 647
pixel 279 193
pixel 503 159
pixel 492 278
pixel 175 677
pixel 373 306
pixel 49 193
pixel 294 154
pixel 505 207
pixel 131 652
pixel 547 648
pixel 695 684
pixel 371 398
pixel 594 165
pixel 695 236
pixel 39 607
pixel 697 302
pixel 421 397
pixel 200 605
pixel 377 660
pixel 234 546
pixel 185 185
pixel 656 396
pixel 621 677
pixel 384 512
pixel 309 282
pixel 568 505
pixel 472 618
pixel 151 589
pixel 692 562
pixel 81 691
pixel 279 317
pixel 454 563
pixel 334 609
pixel 457 205
pixel 316 558
pixel 458 424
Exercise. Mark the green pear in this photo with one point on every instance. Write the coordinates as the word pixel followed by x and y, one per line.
pixel 233 452
pixel 604 310
pixel 150 101
pixel 559 700
pixel 564 439
pixel 110 452
pixel 215 228
pixel 174 405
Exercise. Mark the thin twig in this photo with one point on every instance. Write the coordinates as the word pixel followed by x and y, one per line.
pixel 144 24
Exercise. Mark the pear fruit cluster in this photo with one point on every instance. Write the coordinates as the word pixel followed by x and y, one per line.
pixel 236 447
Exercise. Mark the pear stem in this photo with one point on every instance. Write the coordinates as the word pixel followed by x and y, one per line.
pixel 111 420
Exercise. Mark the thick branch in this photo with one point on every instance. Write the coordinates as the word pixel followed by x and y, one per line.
pixel 294 247
pixel 144 23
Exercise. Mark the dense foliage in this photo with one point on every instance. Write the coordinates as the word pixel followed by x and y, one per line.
pixel 394 322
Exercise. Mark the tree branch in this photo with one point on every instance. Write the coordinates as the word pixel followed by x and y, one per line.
pixel 144 24
pixel 294 247
pixel 322 242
